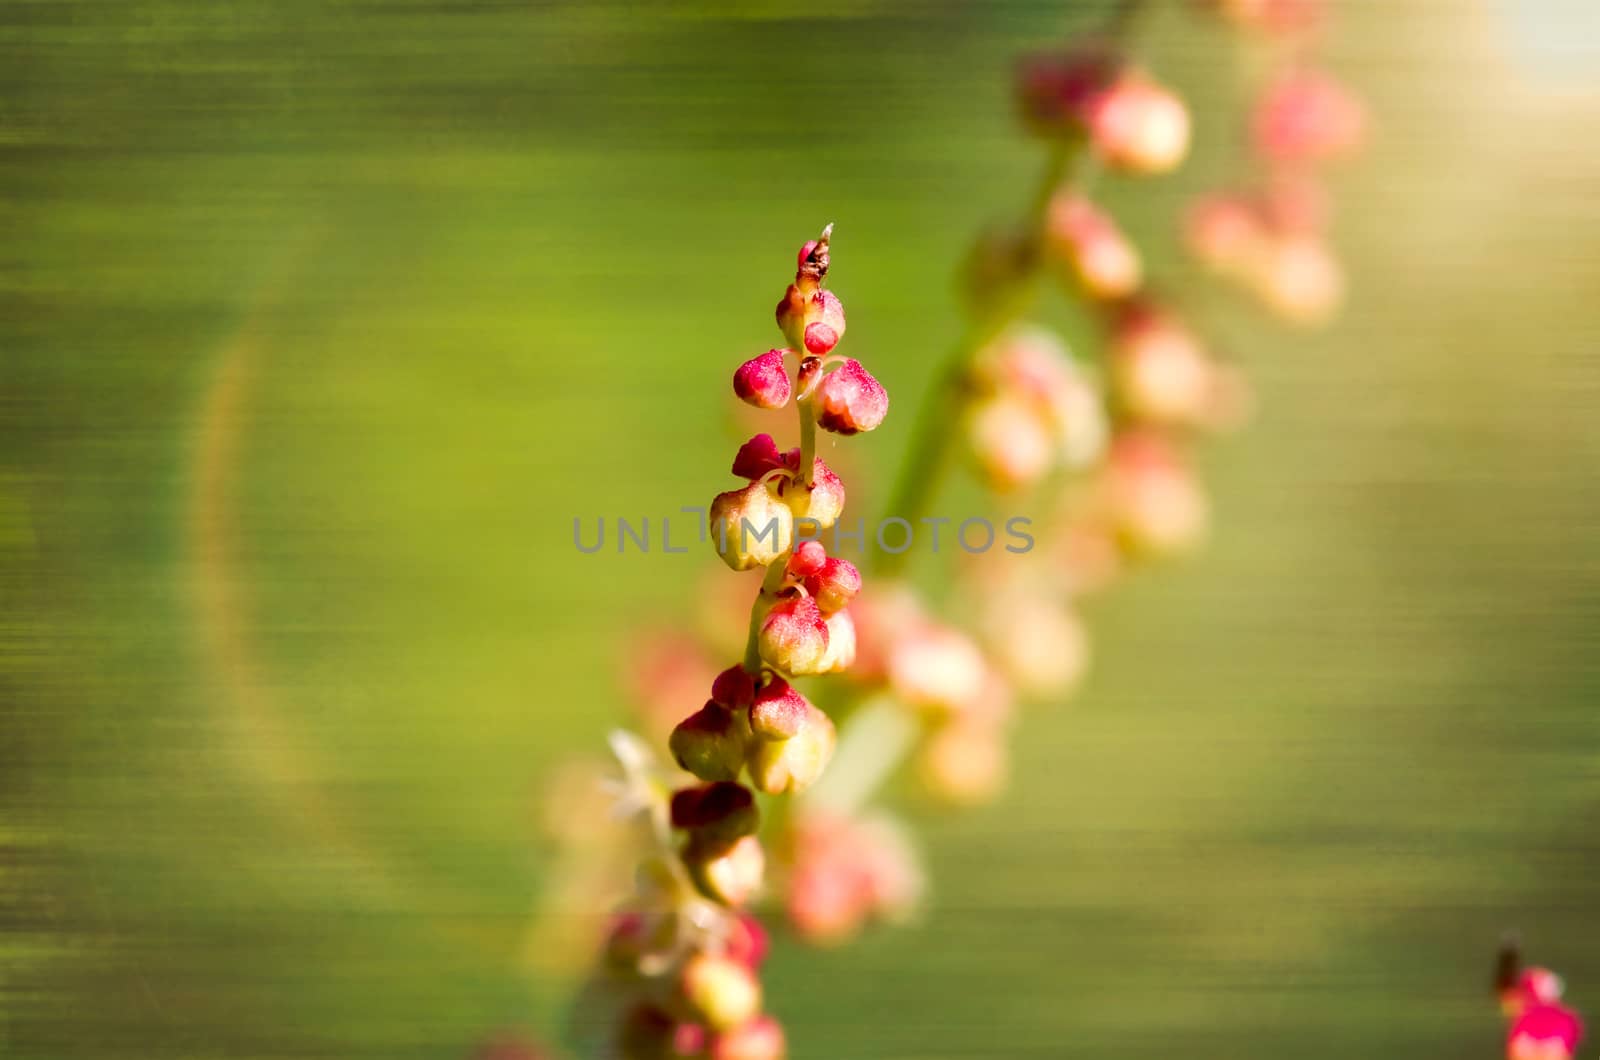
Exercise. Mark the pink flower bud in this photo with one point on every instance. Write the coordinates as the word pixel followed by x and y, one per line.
pixel 747 941
pixel 779 767
pixel 1160 371
pixel 849 400
pixel 710 743
pixel 763 381
pixel 730 875
pixel 1223 231
pixel 808 559
pixel 823 503
pixel 841 654
pixel 1299 279
pixel 1010 441
pixel 760 1039
pixel 1156 502
pixel 828 902
pixel 834 585
pixel 793 638
pixel 1307 116
pixel 1042 647
pixel 1088 243
pixel 965 763
pixel 759 456
pixel 1138 125
pixel 823 333
pixel 721 992
pixel 750 527
pixel 733 688
pixel 1544 1032
pixel 938 669
pixel 779 711
pixel 716 814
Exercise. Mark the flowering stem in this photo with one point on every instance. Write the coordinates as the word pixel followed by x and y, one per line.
pixel 777 569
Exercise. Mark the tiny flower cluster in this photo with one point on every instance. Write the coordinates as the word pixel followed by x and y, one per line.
pixel 688 954
pixel 1272 239
pixel 1538 1025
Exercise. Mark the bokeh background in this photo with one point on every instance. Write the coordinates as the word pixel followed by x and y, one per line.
pixel 320 322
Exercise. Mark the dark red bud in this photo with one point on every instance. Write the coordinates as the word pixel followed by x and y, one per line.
pixel 763 381
pixel 717 813
pixel 733 688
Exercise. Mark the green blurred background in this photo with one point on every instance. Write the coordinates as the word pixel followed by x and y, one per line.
pixel 319 322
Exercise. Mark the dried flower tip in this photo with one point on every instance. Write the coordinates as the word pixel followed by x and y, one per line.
pixel 1307 116
pixel 719 813
pixel 733 688
pixel 1088 243
pixel 1138 126
pixel 710 743
pixel 813 258
pixel 730 875
pixel 779 767
pixel 1544 1032
pixel 793 638
pixel 834 584
pixel 763 381
pixel 750 527
pixel 747 941
pixel 760 1039
pixel 779 711
pixel 822 503
pixel 841 653
pixel 721 992
pixel 849 400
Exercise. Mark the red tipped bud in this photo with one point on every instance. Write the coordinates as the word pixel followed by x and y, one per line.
pixel 849 400
pixel 780 767
pixel 1138 126
pixel 719 813
pixel 710 743
pixel 721 992
pixel 841 654
pixel 763 381
pixel 1307 116
pixel 760 1039
pixel 834 585
pixel 747 941
pixel 1092 248
pixel 733 688
pixel 825 326
pixel 779 711
pixel 750 527
pixel 793 638
pixel 1544 1032
pixel 759 456
pixel 731 875
pixel 823 503
pixel 808 559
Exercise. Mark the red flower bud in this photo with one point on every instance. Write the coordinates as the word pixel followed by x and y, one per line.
pixel 1089 244
pixel 779 711
pixel 710 743
pixel 733 688
pixel 834 585
pixel 750 527
pixel 780 767
pixel 849 400
pixel 1544 1032
pixel 1137 125
pixel 825 327
pixel 747 941
pixel 1054 89
pixel 763 381
pixel 721 992
pixel 730 875
pixel 808 559
pixel 719 813
pixel 823 503
pixel 759 456
pixel 793 638
pixel 760 1039
pixel 1307 116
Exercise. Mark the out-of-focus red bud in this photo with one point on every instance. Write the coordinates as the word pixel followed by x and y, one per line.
pixel 763 381
pixel 1088 243
pixel 937 668
pixel 849 400
pixel 710 743
pixel 747 941
pixel 1155 500
pixel 965 764
pixel 779 767
pixel 721 992
pixel 1160 371
pixel 779 711
pixel 750 527
pixel 1010 441
pixel 716 814
pixel 841 654
pixel 1299 279
pixel 1055 89
pixel 1040 645
pixel 1307 116
pixel 760 1039
pixel 1544 1032
pixel 793 637
pixel 1223 231
pixel 1138 126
